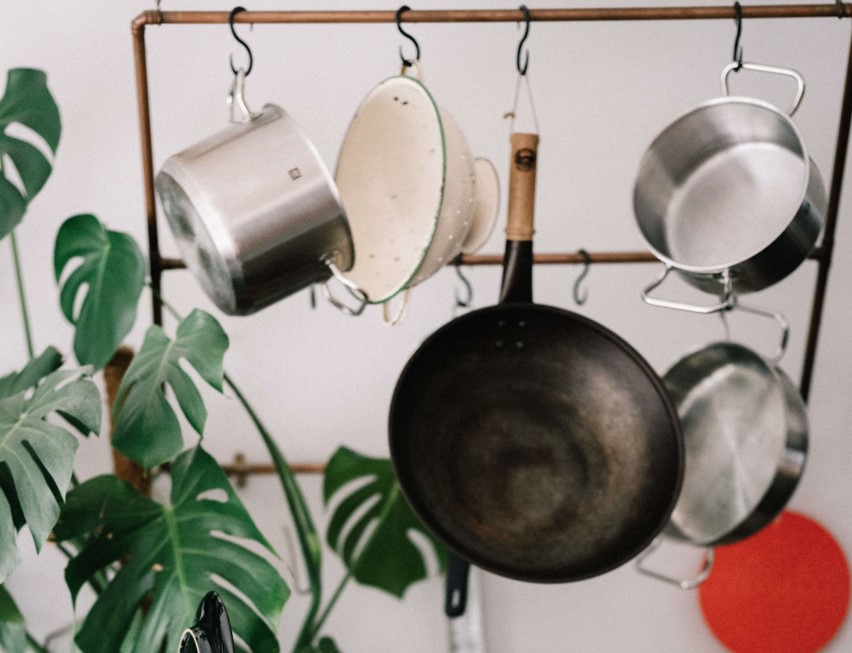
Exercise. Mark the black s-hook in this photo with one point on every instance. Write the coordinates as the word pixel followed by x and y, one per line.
pixel 522 70
pixel 738 49
pixel 231 16
pixel 406 62
pixel 581 297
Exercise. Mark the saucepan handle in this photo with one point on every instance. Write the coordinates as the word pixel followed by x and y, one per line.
pixel 726 303
pixel 360 295
pixel 237 101
pixel 779 319
pixel 774 70
pixel 682 583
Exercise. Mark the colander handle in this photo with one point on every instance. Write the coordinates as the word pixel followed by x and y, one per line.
pixel 774 70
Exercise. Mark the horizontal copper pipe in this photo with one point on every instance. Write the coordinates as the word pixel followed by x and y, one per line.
pixel 496 15
pixel 547 258
pixel 241 470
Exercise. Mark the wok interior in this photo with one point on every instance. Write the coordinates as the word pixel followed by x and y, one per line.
pixel 535 443
pixel 720 184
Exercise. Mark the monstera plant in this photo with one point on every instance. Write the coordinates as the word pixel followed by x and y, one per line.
pixel 149 562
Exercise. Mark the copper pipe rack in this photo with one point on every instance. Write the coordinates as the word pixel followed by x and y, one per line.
pixel 823 255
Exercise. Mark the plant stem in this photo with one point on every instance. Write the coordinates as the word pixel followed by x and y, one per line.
pixel 307 534
pixel 34 645
pixel 22 298
pixel 350 571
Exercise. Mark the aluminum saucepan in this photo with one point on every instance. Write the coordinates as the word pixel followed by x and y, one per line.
pixel 254 210
pixel 534 442
pixel 727 195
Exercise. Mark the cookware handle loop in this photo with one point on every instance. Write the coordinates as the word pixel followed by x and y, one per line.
pixel 727 299
pixel 682 583
pixel 396 319
pixel 359 294
pixel 414 66
pixel 236 99
pixel 780 319
pixel 775 70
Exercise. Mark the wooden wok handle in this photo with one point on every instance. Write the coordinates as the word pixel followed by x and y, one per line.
pixel 522 187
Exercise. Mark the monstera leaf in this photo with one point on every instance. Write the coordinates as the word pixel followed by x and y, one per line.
pixel 26 102
pixel 386 558
pixel 37 456
pixel 147 429
pixel 13 635
pixel 172 556
pixel 111 274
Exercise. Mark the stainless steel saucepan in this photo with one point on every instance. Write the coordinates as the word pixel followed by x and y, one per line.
pixel 727 195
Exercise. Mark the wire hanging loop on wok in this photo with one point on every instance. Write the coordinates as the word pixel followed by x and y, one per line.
pixel 522 70
pixel 231 17
pixel 406 63
pixel 738 49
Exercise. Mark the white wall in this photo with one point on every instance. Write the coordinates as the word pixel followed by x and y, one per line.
pixel 321 379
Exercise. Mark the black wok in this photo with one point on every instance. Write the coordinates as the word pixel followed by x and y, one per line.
pixel 534 442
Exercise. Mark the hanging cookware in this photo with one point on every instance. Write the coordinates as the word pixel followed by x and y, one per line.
pixel 254 210
pixel 745 433
pixel 533 441
pixel 414 195
pixel 727 195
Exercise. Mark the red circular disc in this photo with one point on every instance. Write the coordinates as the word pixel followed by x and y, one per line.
pixel 784 589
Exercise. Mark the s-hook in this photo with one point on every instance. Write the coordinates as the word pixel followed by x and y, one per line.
pixel 738 49
pixel 231 17
pixel 841 8
pixel 522 70
pixel 581 298
pixel 407 63
pixel 467 300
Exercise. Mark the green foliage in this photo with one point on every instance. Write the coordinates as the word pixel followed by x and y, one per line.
pixel 385 558
pixel 111 274
pixel 325 645
pixel 13 635
pixel 37 456
pixel 147 429
pixel 172 555
pixel 27 102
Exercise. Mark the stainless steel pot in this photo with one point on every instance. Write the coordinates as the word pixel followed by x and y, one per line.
pixel 745 432
pixel 727 195
pixel 254 210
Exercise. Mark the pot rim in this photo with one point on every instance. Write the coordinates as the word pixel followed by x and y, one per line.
pixel 809 167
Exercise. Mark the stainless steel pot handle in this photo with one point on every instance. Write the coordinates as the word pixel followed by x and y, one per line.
pixel 775 70
pixel 682 583
pixel 726 302
pixel 359 294
pixel 780 319
pixel 236 98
